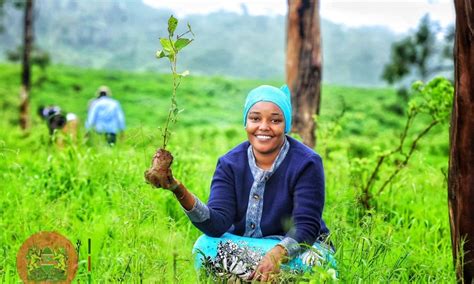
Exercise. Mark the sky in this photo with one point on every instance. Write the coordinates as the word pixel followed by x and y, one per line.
pixel 400 16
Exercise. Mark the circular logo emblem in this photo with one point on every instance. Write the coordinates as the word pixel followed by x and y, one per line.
pixel 47 257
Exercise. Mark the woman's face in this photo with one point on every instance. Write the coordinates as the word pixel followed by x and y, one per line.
pixel 265 128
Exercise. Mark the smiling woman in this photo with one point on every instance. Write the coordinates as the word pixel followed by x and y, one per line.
pixel 265 131
pixel 269 187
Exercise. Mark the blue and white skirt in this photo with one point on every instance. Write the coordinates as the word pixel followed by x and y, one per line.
pixel 232 255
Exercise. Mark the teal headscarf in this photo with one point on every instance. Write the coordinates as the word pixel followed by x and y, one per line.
pixel 281 97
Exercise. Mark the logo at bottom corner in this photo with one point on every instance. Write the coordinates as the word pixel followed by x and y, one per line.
pixel 47 257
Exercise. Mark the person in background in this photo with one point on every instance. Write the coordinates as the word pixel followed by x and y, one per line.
pixel 268 187
pixel 105 115
pixel 57 120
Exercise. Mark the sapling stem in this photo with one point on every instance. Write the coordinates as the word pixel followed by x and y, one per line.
pixel 170 50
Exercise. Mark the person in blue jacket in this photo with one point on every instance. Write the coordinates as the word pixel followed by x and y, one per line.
pixel 105 115
pixel 271 186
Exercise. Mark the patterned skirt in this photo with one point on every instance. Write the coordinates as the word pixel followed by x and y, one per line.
pixel 236 256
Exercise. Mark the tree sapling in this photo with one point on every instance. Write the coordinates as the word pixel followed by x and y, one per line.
pixel 162 160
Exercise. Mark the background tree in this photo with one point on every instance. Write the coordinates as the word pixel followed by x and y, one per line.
pixel 38 57
pixel 303 66
pixel 26 66
pixel 417 55
pixel 2 2
pixel 461 159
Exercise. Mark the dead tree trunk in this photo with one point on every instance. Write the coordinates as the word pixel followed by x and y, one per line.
pixel 26 65
pixel 461 158
pixel 303 66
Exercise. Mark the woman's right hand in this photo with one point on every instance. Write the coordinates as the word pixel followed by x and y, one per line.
pixel 160 174
pixel 161 179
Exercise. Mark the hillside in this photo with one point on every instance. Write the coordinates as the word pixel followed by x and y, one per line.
pixel 368 112
pixel 124 35
pixel 87 190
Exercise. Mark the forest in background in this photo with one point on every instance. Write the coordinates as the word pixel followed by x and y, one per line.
pixel 124 35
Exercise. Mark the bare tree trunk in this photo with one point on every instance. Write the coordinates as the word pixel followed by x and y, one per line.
pixel 26 68
pixel 303 66
pixel 461 159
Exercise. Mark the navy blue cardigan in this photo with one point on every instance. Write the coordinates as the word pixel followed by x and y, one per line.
pixel 293 201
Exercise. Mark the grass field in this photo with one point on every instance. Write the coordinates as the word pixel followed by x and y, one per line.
pixel 89 190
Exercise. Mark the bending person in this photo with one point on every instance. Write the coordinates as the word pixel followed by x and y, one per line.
pixel 59 121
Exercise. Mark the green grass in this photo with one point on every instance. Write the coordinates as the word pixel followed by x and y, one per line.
pixel 89 190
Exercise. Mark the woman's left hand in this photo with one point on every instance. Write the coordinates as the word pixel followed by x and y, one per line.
pixel 269 266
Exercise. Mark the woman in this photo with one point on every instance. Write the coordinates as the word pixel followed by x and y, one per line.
pixel 269 186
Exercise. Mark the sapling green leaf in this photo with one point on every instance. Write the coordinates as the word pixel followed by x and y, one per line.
pixel 167 45
pixel 160 54
pixel 172 24
pixel 181 43
pixel 189 29
pixel 170 49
